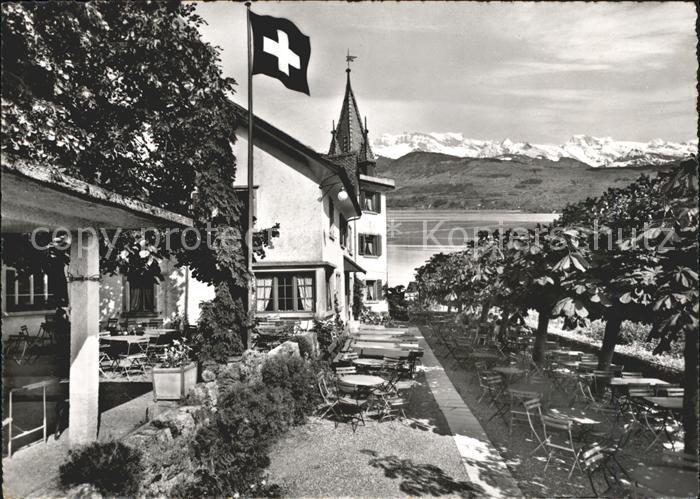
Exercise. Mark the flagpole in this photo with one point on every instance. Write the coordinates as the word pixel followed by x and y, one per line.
pixel 249 234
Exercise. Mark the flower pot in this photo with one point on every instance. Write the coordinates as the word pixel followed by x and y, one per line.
pixel 173 383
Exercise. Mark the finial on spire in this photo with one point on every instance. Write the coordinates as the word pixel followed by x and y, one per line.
pixel 349 58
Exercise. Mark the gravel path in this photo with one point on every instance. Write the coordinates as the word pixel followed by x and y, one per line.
pixel 416 457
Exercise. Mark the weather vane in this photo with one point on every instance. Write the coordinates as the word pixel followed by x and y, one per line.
pixel 349 58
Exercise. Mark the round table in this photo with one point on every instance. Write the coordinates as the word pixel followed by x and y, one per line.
pixel 363 380
pixel 509 372
pixel 369 363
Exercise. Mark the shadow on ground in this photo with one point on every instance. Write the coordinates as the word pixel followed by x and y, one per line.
pixel 420 479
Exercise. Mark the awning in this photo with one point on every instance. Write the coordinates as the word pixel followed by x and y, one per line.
pixel 350 265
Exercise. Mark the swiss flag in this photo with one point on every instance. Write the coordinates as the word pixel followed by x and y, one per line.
pixel 281 51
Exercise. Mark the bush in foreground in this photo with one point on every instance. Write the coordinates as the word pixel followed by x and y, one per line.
pixel 112 468
pixel 231 451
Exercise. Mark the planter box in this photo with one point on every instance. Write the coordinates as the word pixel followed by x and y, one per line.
pixel 173 383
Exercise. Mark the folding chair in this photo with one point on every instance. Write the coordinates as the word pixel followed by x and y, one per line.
pixel 137 361
pixel 520 400
pixel 351 402
pixel 328 397
pixel 494 391
pixel 560 428
pixel 595 459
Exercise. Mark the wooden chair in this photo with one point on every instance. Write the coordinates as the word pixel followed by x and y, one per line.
pixel 558 439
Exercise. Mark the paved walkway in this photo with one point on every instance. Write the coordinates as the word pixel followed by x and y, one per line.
pixel 484 465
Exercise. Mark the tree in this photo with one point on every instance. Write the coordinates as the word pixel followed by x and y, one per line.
pixel 398 306
pixel 671 285
pixel 127 96
pixel 620 213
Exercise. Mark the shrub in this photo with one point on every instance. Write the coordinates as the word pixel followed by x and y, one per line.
pixel 232 450
pixel 222 324
pixel 112 467
pixel 306 347
pixel 296 379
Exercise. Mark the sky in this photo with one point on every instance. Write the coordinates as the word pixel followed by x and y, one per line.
pixel 531 71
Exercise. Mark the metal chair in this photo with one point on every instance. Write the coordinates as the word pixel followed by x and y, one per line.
pixel 352 403
pixel 560 428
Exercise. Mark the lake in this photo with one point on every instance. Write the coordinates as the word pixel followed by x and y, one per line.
pixel 413 236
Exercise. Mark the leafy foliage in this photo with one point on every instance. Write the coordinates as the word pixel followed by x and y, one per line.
pixel 231 451
pixel 129 97
pixel 398 305
pixel 112 467
pixel 220 327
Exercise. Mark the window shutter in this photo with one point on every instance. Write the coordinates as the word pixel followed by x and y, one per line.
pixel 379 246
pixel 380 290
pixel 378 202
pixel 362 244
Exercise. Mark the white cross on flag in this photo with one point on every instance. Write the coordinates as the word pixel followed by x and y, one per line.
pixel 281 51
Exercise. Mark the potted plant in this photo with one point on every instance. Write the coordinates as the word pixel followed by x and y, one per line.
pixel 176 374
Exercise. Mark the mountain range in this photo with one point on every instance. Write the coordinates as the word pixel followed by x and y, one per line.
pixel 592 151
pixel 429 180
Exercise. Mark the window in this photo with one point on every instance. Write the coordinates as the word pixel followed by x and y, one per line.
pixel 285 292
pixel 343 232
pixel 142 295
pixel 371 201
pixel 331 216
pixel 329 293
pixel 28 292
pixel 374 290
pixel 370 244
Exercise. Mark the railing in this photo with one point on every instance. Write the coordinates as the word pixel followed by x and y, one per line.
pixel 9 421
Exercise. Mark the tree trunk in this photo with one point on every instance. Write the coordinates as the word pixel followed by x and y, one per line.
pixel 612 331
pixel 690 400
pixel 483 326
pixel 540 337
pixel 505 317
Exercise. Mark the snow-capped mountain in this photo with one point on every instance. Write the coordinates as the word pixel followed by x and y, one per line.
pixel 594 151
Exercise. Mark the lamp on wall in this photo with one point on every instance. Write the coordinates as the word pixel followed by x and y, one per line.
pixel 343 195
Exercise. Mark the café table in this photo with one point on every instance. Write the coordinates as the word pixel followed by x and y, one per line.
pixel 509 372
pixel 365 380
pixel 570 353
pixel 524 386
pixel 668 403
pixel 129 339
pixel 368 363
pixel 637 381
pixel 579 417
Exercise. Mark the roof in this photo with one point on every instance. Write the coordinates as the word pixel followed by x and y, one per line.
pixel 37 195
pixel 348 179
pixel 350 136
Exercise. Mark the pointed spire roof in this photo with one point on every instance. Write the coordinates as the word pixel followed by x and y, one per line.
pixel 349 136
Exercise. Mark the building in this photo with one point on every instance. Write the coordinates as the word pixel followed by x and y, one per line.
pixel 332 214
pixel 309 271
pixel 35 198
pixel 350 147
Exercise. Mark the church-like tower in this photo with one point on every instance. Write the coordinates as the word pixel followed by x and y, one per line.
pixel 350 148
